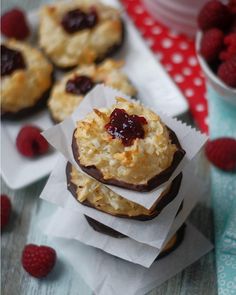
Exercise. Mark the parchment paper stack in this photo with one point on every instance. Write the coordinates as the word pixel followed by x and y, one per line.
pixel 136 272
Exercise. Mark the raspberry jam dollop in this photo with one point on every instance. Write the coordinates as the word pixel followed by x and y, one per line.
pixel 125 127
pixel 77 20
pixel 11 60
pixel 79 85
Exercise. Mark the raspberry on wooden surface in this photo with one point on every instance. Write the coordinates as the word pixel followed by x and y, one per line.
pixel 5 210
pixel 38 261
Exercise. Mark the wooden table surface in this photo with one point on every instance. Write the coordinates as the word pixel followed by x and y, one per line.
pixel 28 210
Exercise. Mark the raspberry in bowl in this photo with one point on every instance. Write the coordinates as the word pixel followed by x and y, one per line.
pixel 216 47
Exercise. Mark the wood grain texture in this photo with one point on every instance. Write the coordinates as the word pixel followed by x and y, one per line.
pixel 24 228
pixel 197 279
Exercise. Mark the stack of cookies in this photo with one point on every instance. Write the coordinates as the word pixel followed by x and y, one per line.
pixel 127 146
pixel 125 166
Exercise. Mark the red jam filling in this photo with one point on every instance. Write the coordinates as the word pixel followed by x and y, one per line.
pixel 79 85
pixel 11 60
pixel 126 127
pixel 77 20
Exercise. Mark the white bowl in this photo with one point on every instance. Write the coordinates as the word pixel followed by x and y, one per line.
pixel 190 9
pixel 180 23
pixel 186 3
pixel 227 93
pixel 180 17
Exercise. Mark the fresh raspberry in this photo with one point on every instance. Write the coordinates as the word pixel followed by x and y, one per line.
pixel 30 142
pixel 227 72
pixel 232 6
pixel 14 24
pixel 230 43
pixel 214 14
pixel 5 210
pixel 211 44
pixel 221 152
pixel 233 26
pixel 38 261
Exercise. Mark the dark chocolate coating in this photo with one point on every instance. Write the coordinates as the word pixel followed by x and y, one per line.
pixel 104 229
pixel 151 184
pixel 165 200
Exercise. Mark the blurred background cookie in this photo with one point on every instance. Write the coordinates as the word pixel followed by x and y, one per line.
pixel 26 78
pixel 79 31
pixel 67 93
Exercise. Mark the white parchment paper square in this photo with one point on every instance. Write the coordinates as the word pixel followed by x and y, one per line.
pixel 106 274
pixel 60 136
pixel 152 232
pixel 73 225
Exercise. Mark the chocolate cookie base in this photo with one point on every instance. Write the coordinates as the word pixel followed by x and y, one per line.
pixel 28 111
pixel 151 184
pixel 164 201
pixel 104 229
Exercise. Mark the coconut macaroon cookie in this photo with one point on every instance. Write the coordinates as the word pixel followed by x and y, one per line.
pixel 67 93
pixel 92 193
pixel 126 145
pixel 26 77
pixel 104 229
pixel 172 244
pixel 79 31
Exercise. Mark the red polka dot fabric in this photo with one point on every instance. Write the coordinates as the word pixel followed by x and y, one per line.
pixel 177 54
